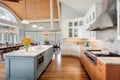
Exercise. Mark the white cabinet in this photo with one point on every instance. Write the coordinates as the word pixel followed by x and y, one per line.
pixel 77 27
pixel 118 19
pixel 65 28
pixel 70 49
pixel 73 28
pixel 94 11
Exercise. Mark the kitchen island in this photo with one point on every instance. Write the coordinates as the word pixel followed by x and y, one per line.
pixel 21 65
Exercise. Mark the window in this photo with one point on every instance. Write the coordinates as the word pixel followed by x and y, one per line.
pixel 6 15
pixel 70 24
pixel 5 38
pixel 32 35
pixel 81 23
pixel 75 32
pixel 75 23
pixel 70 32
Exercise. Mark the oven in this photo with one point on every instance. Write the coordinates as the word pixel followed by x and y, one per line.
pixel 40 59
pixel 92 58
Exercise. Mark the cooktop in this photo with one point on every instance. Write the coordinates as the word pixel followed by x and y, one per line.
pixel 109 55
pixel 98 53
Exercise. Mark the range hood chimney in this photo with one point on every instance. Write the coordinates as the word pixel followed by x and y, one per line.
pixel 108 18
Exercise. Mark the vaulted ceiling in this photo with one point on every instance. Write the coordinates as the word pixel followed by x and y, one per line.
pixel 80 5
pixel 42 10
pixel 42 7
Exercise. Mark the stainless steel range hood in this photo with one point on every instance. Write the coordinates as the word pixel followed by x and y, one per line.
pixel 108 19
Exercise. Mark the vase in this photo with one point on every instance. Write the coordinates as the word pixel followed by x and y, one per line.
pixel 26 47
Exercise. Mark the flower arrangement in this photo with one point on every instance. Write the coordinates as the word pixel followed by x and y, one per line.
pixel 26 42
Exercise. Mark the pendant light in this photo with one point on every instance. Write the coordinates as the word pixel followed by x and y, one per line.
pixel 25 21
pixel 41 27
pixel 34 25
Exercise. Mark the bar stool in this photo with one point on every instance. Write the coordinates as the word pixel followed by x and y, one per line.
pixel 1 54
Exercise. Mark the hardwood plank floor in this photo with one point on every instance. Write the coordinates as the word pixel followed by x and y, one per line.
pixel 61 68
pixel 64 68
pixel 2 71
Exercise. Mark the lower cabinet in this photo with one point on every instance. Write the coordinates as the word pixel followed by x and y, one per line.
pixel 70 49
pixel 107 71
pixel 100 71
pixel 89 66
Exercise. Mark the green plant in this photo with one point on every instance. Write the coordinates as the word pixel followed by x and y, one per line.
pixel 46 42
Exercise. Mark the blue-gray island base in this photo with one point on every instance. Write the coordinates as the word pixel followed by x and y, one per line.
pixel 27 66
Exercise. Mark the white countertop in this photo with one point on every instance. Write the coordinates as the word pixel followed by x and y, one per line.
pixel 110 60
pixel 32 52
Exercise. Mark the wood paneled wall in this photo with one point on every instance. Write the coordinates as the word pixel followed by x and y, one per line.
pixel 42 9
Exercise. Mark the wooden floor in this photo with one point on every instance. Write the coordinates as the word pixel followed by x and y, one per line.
pixel 2 71
pixel 64 68
pixel 61 68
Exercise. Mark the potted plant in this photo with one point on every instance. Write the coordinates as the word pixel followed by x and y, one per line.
pixel 46 42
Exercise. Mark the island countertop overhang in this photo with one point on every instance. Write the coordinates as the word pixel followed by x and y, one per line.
pixel 33 51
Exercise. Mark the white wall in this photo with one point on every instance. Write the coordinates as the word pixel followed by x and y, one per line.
pixel 68 12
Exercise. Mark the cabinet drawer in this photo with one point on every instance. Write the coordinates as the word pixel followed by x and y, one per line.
pixel 100 65
pixel 100 70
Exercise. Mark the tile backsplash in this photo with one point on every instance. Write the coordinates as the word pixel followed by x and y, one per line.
pixel 108 37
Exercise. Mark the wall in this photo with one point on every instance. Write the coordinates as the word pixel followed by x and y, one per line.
pixel 68 12
pixel 108 38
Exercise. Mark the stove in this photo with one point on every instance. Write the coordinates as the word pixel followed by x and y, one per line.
pixel 93 54
pixel 110 55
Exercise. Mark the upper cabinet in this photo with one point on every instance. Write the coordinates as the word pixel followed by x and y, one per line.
pixel 118 19
pixel 74 27
pixel 77 27
pixel 90 17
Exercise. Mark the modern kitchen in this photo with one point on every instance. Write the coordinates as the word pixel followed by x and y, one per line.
pixel 59 39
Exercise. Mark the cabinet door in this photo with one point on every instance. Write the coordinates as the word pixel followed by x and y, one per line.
pixel 92 71
pixel 70 32
pixel 118 19
pixel 100 71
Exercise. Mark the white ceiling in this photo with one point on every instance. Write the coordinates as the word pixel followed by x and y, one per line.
pixel 80 5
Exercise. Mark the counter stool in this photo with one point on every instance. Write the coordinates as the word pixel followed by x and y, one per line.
pixel 1 54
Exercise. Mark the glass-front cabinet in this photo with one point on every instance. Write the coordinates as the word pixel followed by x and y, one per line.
pixel 74 27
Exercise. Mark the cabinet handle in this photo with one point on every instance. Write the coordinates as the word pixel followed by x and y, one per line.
pixel 100 64
pixel 100 70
